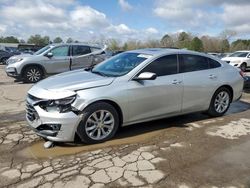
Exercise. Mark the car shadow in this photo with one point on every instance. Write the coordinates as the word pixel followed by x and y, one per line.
pixel 181 122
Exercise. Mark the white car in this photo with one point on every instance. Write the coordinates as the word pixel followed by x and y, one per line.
pixel 240 59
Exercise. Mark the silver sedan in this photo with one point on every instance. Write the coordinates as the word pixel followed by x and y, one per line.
pixel 132 87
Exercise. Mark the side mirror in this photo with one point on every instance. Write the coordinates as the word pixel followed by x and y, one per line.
pixel 146 76
pixel 248 56
pixel 49 55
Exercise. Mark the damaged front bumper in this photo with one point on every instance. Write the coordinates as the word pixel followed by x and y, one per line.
pixel 53 126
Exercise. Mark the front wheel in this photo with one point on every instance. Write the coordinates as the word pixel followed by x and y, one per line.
pixel 100 122
pixel 220 102
pixel 243 67
pixel 32 74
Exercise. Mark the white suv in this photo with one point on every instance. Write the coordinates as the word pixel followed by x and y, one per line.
pixel 239 59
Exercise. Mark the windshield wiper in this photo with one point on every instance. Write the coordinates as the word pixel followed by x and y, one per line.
pixel 99 73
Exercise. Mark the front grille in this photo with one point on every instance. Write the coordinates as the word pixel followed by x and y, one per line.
pixel 31 112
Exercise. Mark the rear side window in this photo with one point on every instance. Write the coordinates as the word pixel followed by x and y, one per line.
pixel 163 66
pixel 80 50
pixel 213 63
pixel 190 63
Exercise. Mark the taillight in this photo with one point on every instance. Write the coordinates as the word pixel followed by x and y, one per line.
pixel 242 74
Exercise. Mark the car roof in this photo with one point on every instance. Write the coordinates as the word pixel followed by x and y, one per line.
pixel 84 44
pixel 162 51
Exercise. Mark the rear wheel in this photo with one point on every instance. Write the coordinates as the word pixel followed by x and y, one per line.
pixel 220 102
pixel 243 67
pixel 100 122
pixel 32 74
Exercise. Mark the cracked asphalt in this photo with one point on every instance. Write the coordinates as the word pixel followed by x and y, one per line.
pixel 185 151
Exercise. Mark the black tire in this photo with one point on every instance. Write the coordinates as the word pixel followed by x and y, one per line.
pixel 212 111
pixel 32 74
pixel 87 115
pixel 3 60
pixel 243 67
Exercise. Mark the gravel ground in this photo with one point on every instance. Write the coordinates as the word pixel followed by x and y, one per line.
pixel 186 151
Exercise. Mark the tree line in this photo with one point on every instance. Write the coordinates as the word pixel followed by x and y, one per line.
pixel 206 43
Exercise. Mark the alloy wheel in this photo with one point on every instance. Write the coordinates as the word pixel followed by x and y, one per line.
pixel 99 125
pixel 33 75
pixel 222 101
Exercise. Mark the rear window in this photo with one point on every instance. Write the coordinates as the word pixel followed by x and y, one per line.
pixel 80 50
pixel 213 63
pixel 190 63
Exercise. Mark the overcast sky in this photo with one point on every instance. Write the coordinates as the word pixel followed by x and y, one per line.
pixel 126 19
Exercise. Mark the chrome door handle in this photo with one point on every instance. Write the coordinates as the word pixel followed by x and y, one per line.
pixel 176 82
pixel 212 76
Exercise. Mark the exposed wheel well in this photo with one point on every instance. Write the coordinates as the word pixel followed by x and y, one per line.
pixel 33 65
pixel 116 106
pixel 230 89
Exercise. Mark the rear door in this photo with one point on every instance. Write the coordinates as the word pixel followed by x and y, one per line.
pixel 159 97
pixel 200 79
pixel 60 60
pixel 81 57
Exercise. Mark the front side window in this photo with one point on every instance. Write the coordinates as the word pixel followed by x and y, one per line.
pixel 60 51
pixel 120 65
pixel 189 63
pixel 163 66
pixel 80 50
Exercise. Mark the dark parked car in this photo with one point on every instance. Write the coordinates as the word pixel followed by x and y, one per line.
pixel 4 55
pixel 247 82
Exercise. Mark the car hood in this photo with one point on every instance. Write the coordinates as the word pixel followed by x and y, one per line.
pixel 66 84
pixel 21 56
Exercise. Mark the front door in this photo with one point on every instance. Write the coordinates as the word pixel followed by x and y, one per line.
pixel 60 60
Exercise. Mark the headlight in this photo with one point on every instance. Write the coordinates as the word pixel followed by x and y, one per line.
pixel 60 105
pixel 20 59
pixel 12 61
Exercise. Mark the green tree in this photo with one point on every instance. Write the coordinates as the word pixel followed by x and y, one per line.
pixel 167 41
pixel 58 40
pixel 240 45
pixel 22 41
pixel 225 46
pixel 125 46
pixel 39 40
pixel 184 40
pixel 196 44
pixel 113 44
pixel 9 39
pixel 69 40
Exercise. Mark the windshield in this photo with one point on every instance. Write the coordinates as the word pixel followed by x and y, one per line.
pixel 43 50
pixel 239 54
pixel 120 64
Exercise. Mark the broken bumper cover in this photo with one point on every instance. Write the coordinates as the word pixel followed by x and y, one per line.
pixel 56 127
